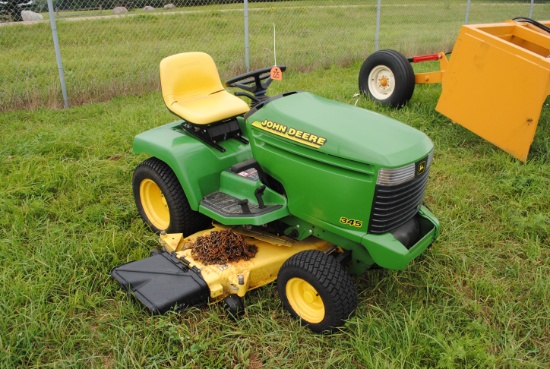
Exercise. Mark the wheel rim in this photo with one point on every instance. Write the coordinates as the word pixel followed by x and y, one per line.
pixel 305 300
pixel 154 204
pixel 381 82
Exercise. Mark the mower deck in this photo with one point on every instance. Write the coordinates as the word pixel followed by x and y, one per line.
pixel 175 279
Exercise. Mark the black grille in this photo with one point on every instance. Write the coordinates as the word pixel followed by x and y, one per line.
pixel 395 205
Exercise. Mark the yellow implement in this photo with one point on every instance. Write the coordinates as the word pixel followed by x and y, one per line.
pixel 497 81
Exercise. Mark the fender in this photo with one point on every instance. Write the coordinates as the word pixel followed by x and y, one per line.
pixel 197 165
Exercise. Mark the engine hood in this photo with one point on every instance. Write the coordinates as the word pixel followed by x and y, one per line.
pixel 341 130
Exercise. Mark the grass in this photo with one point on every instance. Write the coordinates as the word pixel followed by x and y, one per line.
pixel 478 298
pixel 105 56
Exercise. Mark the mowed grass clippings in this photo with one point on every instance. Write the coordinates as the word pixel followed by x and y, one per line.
pixel 478 298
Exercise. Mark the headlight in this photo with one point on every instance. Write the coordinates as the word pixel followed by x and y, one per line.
pixel 395 176
pixel 392 177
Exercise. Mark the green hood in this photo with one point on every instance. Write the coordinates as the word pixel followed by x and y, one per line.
pixel 341 130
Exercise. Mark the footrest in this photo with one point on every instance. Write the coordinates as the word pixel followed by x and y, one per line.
pixel 228 205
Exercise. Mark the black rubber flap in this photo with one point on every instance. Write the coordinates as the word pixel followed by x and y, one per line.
pixel 162 282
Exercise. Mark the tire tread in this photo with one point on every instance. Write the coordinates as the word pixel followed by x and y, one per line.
pixel 329 278
pixel 182 218
pixel 402 70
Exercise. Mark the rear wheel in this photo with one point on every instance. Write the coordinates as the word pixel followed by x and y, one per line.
pixel 387 77
pixel 316 289
pixel 161 201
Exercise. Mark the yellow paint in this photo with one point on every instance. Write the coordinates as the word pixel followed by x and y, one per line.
pixel 305 300
pixel 171 242
pixel 192 89
pixel 496 83
pixel 293 134
pixel 223 280
pixel 433 77
pixel 154 204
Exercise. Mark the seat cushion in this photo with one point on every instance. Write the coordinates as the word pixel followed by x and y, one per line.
pixel 192 89
pixel 211 108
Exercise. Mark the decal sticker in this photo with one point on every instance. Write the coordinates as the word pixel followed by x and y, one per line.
pixel 290 133
pixel 421 168
pixel 351 222
pixel 250 173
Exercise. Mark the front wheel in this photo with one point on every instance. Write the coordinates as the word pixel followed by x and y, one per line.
pixel 387 77
pixel 161 201
pixel 316 289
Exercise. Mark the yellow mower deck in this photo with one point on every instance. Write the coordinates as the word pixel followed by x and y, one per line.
pixel 239 277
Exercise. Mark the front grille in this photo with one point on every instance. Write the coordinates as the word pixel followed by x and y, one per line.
pixel 395 205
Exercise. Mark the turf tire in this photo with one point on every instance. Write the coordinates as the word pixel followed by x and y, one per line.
pixel 334 287
pixel 180 218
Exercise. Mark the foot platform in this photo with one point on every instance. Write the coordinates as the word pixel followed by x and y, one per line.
pixel 230 206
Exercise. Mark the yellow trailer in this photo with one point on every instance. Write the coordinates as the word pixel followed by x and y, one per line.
pixel 494 84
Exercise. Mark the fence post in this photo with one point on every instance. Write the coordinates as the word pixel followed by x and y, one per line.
pixel 377 36
pixel 246 40
pixel 467 12
pixel 531 9
pixel 58 54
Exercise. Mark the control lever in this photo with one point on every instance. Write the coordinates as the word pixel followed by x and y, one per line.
pixel 244 206
pixel 259 193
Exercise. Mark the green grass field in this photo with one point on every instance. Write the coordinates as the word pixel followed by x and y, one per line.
pixel 478 298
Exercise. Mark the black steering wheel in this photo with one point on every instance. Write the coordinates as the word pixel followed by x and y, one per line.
pixel 255 82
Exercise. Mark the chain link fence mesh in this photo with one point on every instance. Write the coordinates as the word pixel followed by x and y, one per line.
pixel 113 47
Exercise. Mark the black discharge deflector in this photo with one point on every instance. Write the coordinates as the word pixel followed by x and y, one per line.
pixel 162 282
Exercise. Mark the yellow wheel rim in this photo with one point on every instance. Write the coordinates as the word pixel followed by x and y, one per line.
pixel 154 204
pixel 305 300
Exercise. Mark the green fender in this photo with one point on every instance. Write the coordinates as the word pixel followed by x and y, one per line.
pixel 196 164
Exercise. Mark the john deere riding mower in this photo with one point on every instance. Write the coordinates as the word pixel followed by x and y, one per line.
pixel 294 188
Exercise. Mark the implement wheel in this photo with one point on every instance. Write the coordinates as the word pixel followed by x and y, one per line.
pixel 387 77
pixel 161 202
pixel 316 289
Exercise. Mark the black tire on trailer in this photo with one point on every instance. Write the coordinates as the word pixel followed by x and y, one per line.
pixel 387 77
pixel 315 288
pixel 161 202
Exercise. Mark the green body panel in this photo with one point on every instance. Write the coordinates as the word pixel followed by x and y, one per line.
pixel 351 133
pixel 325 154
pixel 389 253
pixel 197 165
pixel 368 249
pixel 331 186
pixel 241 187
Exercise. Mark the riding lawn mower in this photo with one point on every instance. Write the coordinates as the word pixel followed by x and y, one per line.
pixel 294 188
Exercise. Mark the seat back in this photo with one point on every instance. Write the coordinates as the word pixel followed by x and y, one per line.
pixel 187 76
pixel 192 89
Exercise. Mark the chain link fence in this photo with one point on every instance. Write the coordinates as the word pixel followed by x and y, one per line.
pixel 113 47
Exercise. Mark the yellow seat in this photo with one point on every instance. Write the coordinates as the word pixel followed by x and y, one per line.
pixel 192 89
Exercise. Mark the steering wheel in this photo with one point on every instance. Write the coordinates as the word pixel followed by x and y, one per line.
pixel 255 82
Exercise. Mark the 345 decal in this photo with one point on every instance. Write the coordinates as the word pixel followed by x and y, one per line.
pixel 352 222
